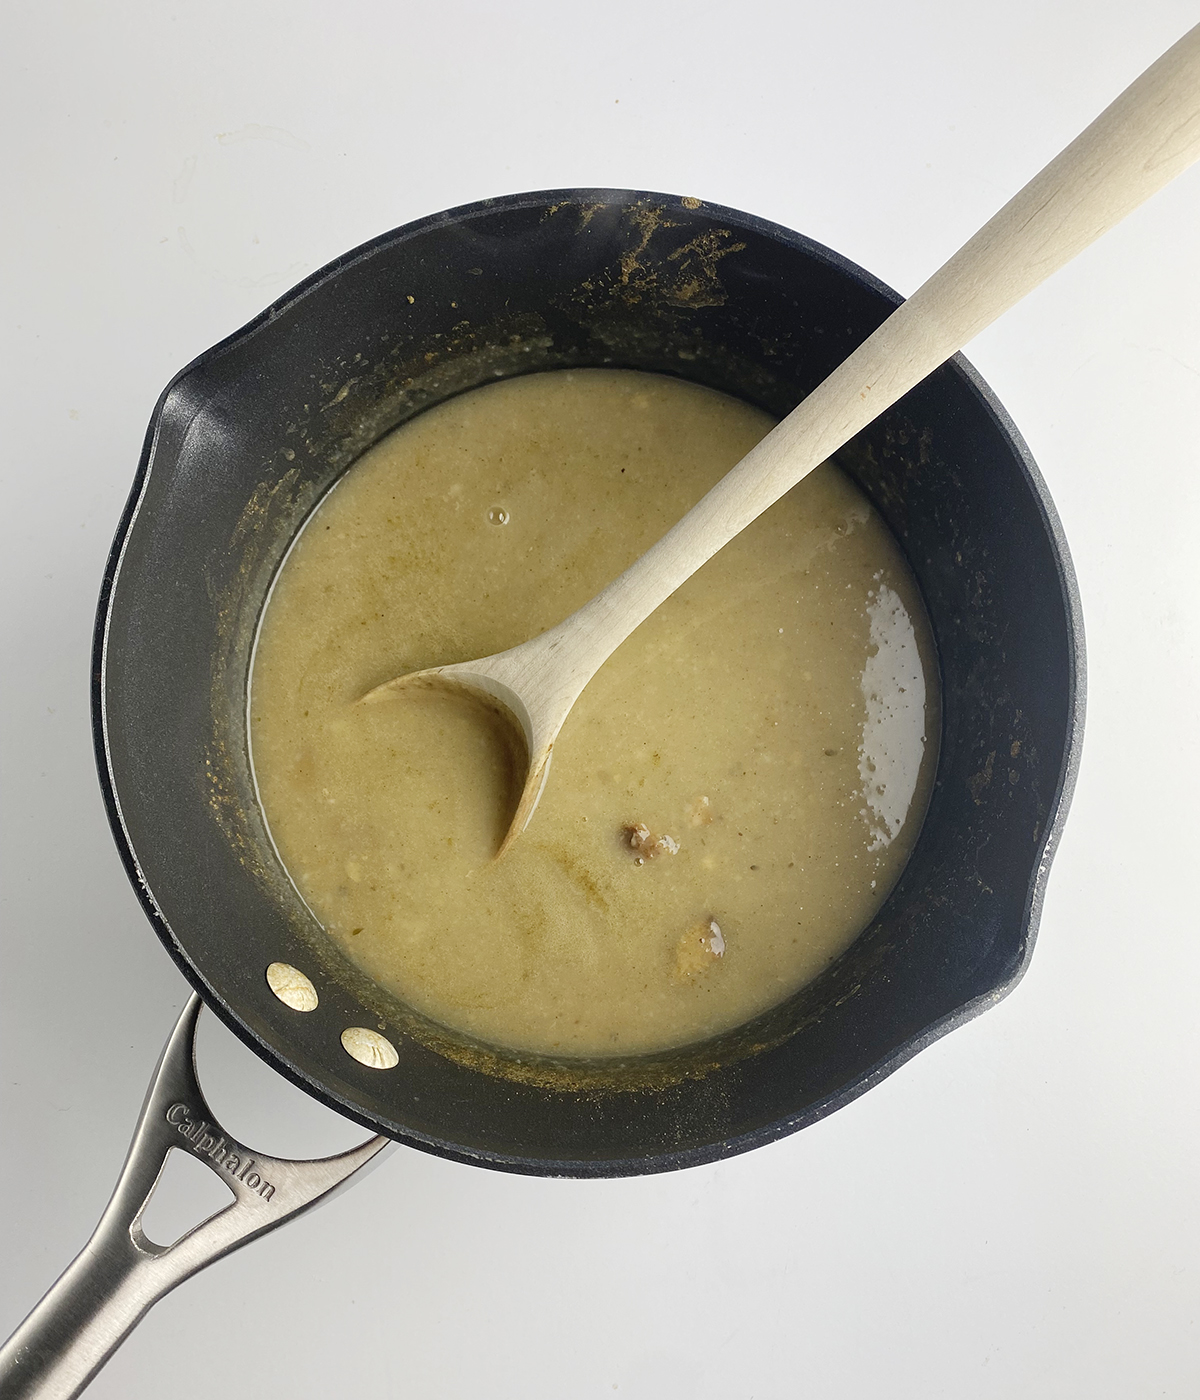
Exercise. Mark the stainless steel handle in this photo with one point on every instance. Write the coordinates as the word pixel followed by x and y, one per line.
pixel 120 1274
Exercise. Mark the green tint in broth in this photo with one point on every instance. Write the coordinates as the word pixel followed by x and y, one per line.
pixel 734 794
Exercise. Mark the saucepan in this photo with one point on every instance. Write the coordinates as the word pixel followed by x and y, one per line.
pixel 242 446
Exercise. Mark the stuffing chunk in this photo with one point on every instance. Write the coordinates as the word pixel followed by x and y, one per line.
pixel 700 948
pixel 646 846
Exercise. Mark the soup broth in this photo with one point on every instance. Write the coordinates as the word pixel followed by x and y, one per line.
pixel 733 795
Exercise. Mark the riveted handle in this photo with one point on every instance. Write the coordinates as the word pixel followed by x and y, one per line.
pixel 120 1274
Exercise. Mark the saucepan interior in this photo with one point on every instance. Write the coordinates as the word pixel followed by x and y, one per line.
pixel 247 439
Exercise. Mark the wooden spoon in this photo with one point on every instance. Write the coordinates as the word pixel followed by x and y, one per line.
pixel 1144 139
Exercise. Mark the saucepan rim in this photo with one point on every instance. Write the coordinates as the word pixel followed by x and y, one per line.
pixel 1058 801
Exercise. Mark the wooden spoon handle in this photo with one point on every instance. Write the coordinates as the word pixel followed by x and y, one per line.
pixel 1144 139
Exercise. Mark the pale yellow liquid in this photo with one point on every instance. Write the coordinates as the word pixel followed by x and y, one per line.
pixel 776 718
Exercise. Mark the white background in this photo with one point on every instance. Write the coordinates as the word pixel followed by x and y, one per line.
pixel 1014 1212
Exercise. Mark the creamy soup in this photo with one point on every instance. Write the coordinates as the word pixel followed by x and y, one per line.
pixel 732 797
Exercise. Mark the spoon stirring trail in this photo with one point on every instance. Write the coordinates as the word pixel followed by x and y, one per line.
pixel 1150 134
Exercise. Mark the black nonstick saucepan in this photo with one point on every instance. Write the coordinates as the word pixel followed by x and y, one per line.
pixel 241 447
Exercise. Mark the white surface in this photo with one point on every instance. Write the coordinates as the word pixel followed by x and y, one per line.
pixel 1013 1213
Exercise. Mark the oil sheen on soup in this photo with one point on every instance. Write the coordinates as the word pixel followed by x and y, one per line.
pixel 732 797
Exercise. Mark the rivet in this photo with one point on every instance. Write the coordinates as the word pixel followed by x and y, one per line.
pixel 369 1048
pixel 292 987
